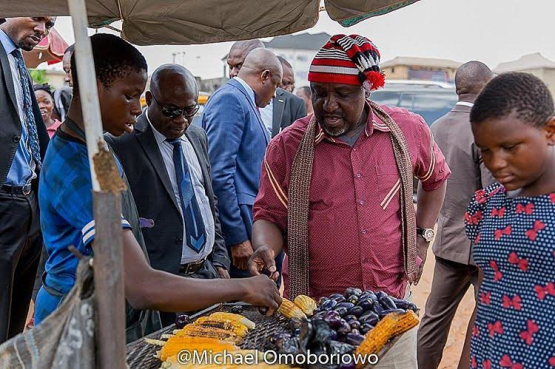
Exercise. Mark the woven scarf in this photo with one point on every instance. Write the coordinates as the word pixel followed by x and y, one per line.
pixel 299 204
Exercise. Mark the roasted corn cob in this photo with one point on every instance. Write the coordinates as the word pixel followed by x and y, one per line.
pixel 233 317
pixel 176 344
pixel 390 326
pixel 193 330
pixel 306 304
pixel 235 327
pixel 289 310
pixel 172 363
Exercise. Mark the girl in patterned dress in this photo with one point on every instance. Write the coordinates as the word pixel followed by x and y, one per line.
pixel 512 224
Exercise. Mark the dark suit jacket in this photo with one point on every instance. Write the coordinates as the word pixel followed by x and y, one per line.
pixel 152 190
pixel 287 109
pixel 10 127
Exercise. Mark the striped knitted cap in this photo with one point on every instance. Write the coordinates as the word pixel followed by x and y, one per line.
pixel 351 60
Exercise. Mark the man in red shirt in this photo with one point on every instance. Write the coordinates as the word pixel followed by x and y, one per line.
pixel 336 189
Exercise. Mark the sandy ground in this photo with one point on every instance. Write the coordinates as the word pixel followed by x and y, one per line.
pixel 454 345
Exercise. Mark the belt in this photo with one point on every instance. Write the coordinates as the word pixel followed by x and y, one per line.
pixel 17 190
pixel 190 268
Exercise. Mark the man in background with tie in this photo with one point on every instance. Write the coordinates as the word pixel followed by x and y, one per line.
pixel 23 142
pixel 166 163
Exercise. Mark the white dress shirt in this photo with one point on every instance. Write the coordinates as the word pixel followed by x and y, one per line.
pixel 267 114
pixel 166 149
pixel 262 112
pixel 9 47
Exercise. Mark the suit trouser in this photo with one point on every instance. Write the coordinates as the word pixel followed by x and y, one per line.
pixel 207 271
pixel 234 272
pixel 20 249
pixel 450 283
pixel 40 272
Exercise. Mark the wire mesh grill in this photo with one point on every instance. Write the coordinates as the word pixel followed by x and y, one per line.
pixel 141 355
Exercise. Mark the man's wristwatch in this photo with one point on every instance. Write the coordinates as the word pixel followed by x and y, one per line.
pixel 426 233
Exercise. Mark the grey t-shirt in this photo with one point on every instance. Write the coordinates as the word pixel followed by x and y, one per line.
pixel 351 140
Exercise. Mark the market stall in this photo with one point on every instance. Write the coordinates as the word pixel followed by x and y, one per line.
pixel 148 23
pixel 348 330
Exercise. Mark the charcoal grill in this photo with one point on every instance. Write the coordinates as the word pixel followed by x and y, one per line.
pixel 140 355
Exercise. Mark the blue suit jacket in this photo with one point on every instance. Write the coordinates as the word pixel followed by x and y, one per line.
pixel 237 140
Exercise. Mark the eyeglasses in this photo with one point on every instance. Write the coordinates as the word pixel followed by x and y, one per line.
pixel 173 113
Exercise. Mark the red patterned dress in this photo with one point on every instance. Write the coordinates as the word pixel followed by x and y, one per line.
pixel 515 248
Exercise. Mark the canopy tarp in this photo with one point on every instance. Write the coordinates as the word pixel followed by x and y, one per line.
pixel 161 22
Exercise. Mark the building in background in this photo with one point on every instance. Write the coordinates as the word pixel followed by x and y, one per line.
pixel 535 64
pixel 425 69
pixel 211 84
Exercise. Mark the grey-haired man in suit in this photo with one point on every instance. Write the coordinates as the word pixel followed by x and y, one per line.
pixel 167 166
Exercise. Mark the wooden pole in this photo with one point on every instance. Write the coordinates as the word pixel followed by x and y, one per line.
pixel 108 280
pixel 87 82
pixel 106 184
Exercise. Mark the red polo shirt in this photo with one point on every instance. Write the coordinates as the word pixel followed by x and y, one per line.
pixel 354 222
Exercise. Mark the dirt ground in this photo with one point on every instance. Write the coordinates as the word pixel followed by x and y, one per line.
pixel 454 345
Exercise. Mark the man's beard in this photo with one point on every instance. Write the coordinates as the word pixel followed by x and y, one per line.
pixel 337 133
pixel 25 46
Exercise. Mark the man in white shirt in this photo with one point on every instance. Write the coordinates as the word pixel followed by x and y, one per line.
pixel 166 163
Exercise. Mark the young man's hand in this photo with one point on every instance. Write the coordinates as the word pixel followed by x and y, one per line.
pixel 261 291
pixel 263 259
pixel 240 254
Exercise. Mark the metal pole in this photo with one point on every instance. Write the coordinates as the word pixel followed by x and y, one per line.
pixel 108 245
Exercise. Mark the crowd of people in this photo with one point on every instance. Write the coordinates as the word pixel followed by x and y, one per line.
pixel 313 191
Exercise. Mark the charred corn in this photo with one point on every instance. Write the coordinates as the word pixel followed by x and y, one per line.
pixel 289 310
pixel 235 327
pixel 172 363
pixel 390 326
pixel 192 330
pixel 306 304
pixel 233 317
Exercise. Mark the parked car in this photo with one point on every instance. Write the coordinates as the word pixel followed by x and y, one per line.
pixel 429 99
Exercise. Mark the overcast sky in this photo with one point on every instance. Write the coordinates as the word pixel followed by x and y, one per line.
pixel 492 31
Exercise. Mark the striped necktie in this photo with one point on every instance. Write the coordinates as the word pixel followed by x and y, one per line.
pixel 194 225
pixel 28 107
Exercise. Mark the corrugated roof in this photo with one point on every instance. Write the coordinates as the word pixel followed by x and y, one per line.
pixel 527 62
pixel 303 41
pixel 422 62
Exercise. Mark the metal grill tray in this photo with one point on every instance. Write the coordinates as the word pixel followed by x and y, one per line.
pixel 141 355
